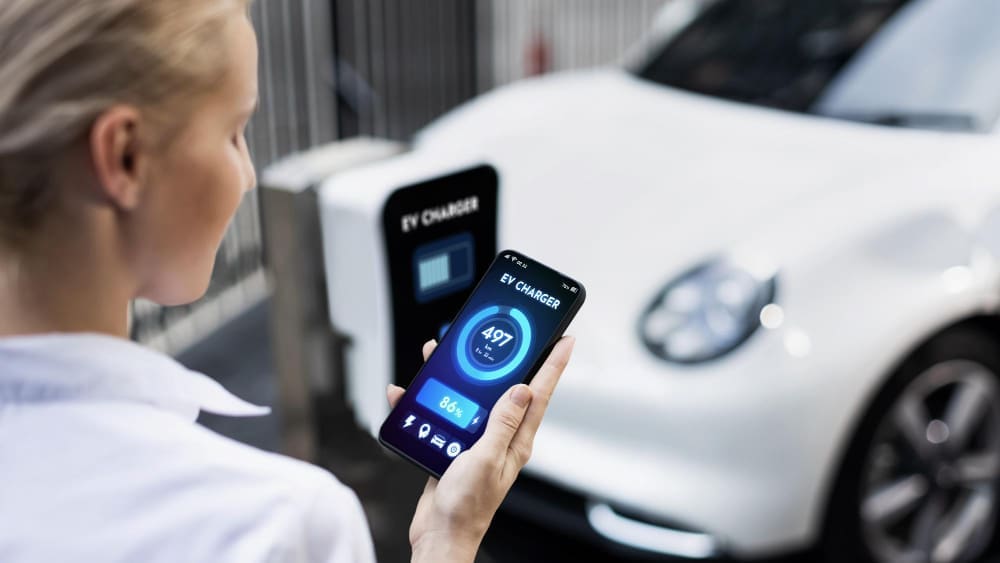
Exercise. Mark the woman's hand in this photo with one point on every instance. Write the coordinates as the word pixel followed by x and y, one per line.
pixel 452 515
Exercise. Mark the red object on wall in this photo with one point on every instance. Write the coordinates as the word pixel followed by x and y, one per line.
pixel 538 59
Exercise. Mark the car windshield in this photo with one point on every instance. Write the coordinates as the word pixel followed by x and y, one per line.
pixel 913 63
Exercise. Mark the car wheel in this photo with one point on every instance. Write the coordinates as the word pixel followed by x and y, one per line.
pixel 920 481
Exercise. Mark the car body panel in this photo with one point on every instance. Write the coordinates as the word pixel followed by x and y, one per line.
pixel 879 237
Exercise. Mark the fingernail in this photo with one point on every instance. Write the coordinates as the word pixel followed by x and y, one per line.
pixel 521 395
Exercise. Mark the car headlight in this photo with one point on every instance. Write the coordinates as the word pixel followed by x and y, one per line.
pixel 706 312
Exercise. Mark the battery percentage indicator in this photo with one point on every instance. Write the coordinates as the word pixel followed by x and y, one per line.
pixel 450 405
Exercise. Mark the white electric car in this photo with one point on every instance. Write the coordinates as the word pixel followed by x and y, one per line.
pixel 788 222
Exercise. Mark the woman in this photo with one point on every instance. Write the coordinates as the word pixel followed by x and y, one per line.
pixel 122 160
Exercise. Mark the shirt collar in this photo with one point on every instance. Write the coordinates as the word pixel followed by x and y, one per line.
pixel 65 366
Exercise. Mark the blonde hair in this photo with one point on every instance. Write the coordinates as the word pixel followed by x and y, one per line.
pixel 64 62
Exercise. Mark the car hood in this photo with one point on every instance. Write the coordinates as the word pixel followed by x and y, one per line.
pixel 623 184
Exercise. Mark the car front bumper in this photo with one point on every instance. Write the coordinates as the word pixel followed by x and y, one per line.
pixel 734 456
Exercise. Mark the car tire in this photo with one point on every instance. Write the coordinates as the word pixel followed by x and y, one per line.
pixel 920 477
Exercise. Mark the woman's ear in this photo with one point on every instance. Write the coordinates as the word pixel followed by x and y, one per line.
pixel 116 153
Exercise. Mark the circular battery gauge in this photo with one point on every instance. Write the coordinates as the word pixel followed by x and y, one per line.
pixel 493 343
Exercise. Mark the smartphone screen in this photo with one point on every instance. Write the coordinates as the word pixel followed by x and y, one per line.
pixel 499 338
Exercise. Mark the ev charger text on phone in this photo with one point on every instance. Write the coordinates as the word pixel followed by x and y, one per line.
pixel 533 292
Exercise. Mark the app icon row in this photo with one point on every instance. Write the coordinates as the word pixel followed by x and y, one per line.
pixel 436 439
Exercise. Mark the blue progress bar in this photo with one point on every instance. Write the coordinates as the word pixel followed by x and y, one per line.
pixel 450 405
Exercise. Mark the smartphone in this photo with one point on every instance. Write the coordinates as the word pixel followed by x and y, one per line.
pixel 500 337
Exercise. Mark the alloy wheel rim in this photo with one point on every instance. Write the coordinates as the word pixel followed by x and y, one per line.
pixel 929 483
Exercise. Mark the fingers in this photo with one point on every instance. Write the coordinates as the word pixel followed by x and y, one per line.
pixel 544 382
pixel 429 347
pixel 394 393
pixel 505 418
pixel 515 418
pixel 542 387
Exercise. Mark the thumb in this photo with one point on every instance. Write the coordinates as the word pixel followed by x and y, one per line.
pixel 505 419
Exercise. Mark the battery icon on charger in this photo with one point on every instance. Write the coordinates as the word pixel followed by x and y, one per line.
pixel 443 267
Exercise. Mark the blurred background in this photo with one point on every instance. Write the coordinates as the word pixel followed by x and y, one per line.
pixel 336 70
pixel 789 351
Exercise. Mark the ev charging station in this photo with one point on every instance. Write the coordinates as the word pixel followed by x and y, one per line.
pixel 404 244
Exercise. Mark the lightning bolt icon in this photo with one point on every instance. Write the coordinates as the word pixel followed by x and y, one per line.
pixel 409 421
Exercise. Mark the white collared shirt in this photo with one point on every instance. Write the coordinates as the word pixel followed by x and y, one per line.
pixel 101 461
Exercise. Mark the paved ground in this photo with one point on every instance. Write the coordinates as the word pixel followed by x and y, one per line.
pixel 239 356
